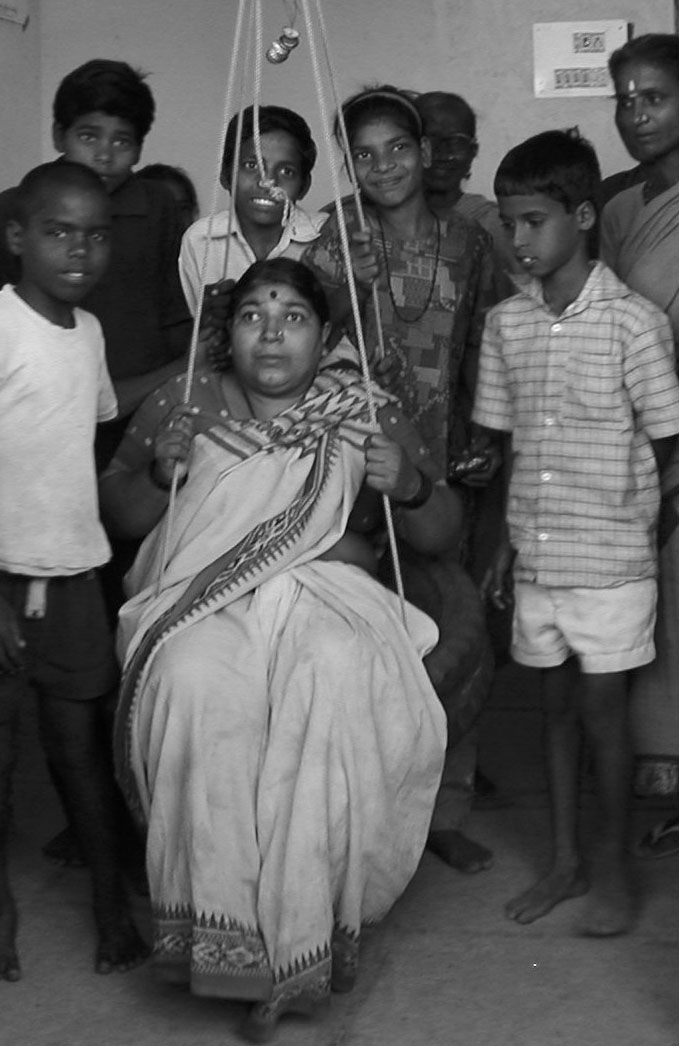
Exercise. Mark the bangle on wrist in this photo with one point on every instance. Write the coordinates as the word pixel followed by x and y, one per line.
pixel 162 484
pixel 421 495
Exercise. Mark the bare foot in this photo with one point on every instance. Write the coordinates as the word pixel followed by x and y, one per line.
pixel 545 894
pixel 610 907
pixel 120 946
pixel 459 852
pixel 10 970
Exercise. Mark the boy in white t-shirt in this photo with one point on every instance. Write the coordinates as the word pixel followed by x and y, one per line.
pixel 54 636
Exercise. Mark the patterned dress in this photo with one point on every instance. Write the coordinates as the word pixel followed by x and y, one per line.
pixel 433 296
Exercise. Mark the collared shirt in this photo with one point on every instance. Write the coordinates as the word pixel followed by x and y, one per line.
pixel 583 395
pixel 300 231
pixel 139 298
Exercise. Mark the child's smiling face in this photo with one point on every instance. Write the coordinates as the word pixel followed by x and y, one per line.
pixel 64 248
pixel 282 165
pixel 389 162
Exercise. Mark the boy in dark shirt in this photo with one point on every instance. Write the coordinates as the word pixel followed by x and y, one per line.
pixel 103 111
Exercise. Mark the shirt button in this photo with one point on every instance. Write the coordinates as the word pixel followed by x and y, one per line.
pixel 550 419
pixel 543 536
pixel 545 476
pixel 556 327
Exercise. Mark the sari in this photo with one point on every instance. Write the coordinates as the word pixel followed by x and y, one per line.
pixel 277 733
pixel 641 243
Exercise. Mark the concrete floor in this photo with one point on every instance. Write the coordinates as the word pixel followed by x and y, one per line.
pixel 445 968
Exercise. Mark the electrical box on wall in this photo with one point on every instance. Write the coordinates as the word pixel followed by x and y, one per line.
pixel 15 12
pixel 571 58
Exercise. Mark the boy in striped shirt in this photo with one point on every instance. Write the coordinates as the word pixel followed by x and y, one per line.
pixel 577 372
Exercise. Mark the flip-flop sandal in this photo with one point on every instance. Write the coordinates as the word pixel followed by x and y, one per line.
pixel 661 841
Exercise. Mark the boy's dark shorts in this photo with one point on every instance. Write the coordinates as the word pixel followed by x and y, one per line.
pixel 69 652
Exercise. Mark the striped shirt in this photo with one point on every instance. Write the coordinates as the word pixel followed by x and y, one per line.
pixel 583 395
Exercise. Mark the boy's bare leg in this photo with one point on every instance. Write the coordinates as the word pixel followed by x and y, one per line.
pixel 566 877
pixel 604 709
pixel 73 740
pixel 10 969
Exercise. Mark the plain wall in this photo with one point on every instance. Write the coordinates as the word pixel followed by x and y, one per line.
pixel 479 48
pixel 20 112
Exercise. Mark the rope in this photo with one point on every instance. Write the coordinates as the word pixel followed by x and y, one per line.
pixel 351 281
pixel 255 30
pixel 351 171
pixel 193 347
pixel 235 166
pixel 257 88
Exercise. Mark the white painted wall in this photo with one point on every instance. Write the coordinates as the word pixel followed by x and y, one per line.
pixel 479 48
pixel 21 99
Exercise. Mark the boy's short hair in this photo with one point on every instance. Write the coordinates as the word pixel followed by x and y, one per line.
pixel 271 118
pixel 559 164
pixel 50 178
pixel 105 86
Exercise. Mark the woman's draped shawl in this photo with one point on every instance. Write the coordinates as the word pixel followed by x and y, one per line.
pixel 640 241
pixel 262 497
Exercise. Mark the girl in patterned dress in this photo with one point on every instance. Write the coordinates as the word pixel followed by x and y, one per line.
pixel 434 275
pixel 434 278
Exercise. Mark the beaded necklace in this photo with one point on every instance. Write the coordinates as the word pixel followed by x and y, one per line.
pixel 430 295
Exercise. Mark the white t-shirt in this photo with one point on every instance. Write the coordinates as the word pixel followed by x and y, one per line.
pixel 300 231
pixel 54 387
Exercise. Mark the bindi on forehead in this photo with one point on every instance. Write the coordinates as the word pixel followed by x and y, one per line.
pixel 273 294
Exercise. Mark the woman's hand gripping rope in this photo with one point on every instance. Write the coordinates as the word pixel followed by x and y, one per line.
pixel 173 446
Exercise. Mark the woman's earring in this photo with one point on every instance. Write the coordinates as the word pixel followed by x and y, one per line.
pixel 281 48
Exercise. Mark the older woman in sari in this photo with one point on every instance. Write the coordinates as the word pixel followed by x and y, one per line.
pixel 277 734
pixel 640 240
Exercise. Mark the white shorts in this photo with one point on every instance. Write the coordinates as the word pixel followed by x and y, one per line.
pixel 607 629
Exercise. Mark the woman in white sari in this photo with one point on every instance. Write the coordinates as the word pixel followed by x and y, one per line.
pixel 640 241
pixel 277 734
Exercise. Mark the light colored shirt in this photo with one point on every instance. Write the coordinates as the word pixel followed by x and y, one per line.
pixel 54 387
pixel 583 394
pixel 296 235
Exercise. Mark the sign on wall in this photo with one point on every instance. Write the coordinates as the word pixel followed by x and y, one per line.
pixel 570 59
pixel 15 12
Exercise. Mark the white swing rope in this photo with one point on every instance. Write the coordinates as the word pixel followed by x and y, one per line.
pixel 235 163
pixel 193 347
pixel 255 30
pixel 351 281
pixel 351 170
